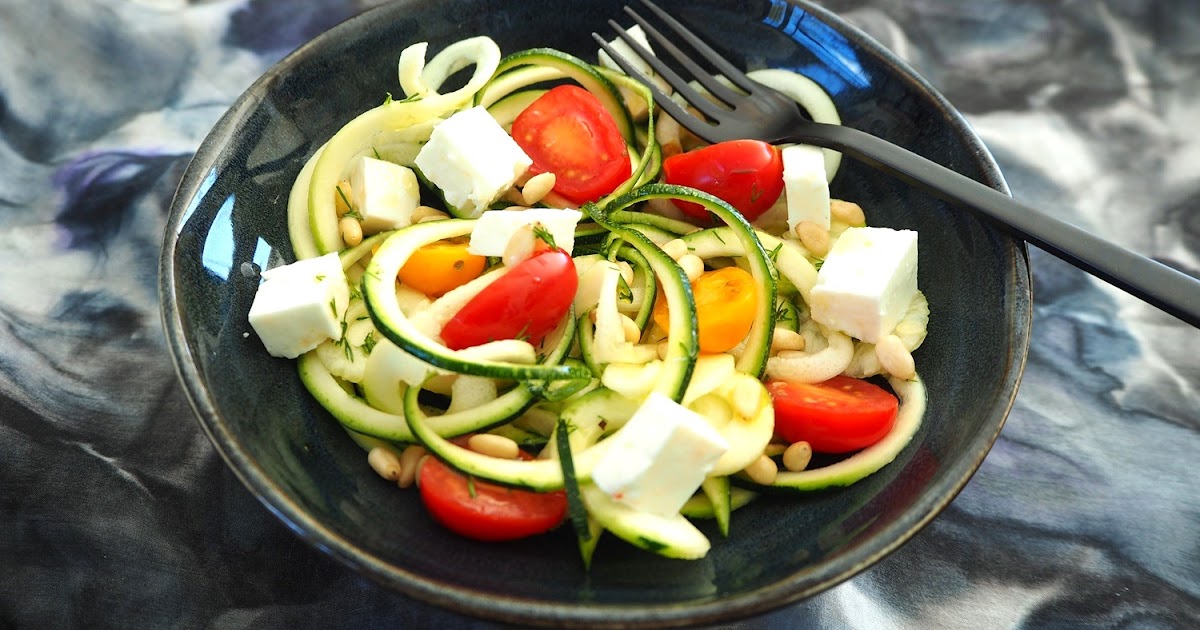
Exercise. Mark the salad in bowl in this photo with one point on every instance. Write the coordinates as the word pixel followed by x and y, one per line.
pixel 535 333
pixel 538 302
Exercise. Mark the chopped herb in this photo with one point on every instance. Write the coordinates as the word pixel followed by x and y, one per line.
pixel 320 277
pixel 544 235
pixel 376 152
pixel 333 306
pixel 523 335
pixel 471 486
pixel 755 192
pixel 345 344
pixel 341 193
pixel 388 100
pixel 717 233
pixel 817 265
pixel 369 342
pixel 783 313
pixel 355 292
pixel 353 214
pixel 774 255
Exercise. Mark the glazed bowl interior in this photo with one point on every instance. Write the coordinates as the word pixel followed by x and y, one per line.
pixel 228 221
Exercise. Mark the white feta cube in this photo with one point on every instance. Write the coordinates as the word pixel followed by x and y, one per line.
pixel 627 52
pixel 384 194
pixel 495 228
pixel 658 460
pixel 472 160
pixel 867 282
pixel 298 306
pixel 805 185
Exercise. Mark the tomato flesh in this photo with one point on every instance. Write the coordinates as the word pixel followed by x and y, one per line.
pixel 726 300
pixel 486 511
pixel 439 267
pixel 527 303
pixel 568 132
pixel 747 174
pixel 840 415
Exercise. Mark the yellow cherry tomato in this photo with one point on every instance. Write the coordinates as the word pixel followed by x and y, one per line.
pixel 439 267
pixel 726 300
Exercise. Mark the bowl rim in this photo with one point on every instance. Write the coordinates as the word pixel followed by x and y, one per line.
pixel 795 587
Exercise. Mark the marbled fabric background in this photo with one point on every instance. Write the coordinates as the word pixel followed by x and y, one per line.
pixel 115 511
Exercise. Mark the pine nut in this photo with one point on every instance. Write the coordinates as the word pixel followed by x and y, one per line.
pixel 675 248
pixel 340 198
pixel 692 265
pixel 763 471
pixel 895 358
pixel 520 246
pixel 491 445
pixel 420 213
pixel 410 465
pixel 745 397
pixel 783 339
pixel 813 237
pixel 385 463
pixel 797 456
pixel 633 334
pixel 847 212
pixel 774 450
pixel 351 230
pixel 537 187
pixel 513 196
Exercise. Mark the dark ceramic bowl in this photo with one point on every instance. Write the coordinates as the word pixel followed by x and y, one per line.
pixel 229 213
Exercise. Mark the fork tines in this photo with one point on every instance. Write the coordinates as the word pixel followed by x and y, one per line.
pixel 730 97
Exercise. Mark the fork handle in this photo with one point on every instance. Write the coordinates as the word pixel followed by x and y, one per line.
pixel 1173 292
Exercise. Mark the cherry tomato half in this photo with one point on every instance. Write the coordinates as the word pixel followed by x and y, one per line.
pixel 567 131
pixel 748 174
pixel 441 266
pixel 527 303
pixel 486 511
pixel 840 415
pixel 726 301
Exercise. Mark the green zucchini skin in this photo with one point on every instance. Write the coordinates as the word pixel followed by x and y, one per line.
pixel 379 292
pixel 758 342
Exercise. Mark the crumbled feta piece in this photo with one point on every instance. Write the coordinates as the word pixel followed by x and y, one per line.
pixel 658 460
pixel 384 194
pixel 867 282
pixel 805 185
pixel 298 306
pixel 495 228
pixel 472 160
pixel 627 52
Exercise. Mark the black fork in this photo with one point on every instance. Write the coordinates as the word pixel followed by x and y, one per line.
pixel 752 110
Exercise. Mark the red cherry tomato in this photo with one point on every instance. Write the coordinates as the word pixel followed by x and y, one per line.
pixel 486 511
pixel 527 303
pixel 748 174
pixel 567 131
pixel 840 415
